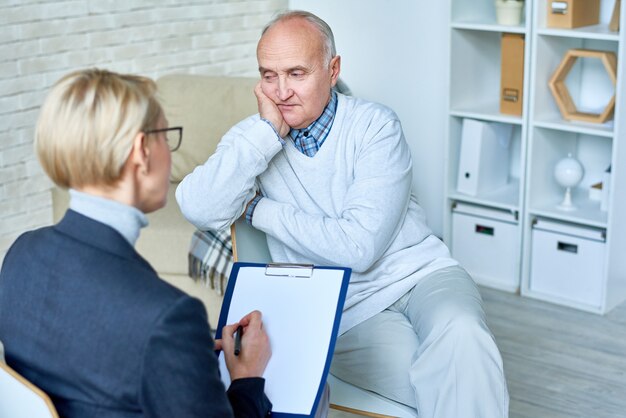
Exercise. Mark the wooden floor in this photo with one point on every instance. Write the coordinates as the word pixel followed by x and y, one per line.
pixel 559 362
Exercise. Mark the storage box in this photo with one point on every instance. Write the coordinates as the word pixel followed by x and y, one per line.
pixel 567 262
pixel 573 13
pixel 485 242
pixel 512 74
pixel 484 156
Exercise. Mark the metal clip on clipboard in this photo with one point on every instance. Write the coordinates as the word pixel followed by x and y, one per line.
pixel 289 270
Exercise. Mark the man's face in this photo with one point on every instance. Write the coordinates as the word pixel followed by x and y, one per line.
pixel 294 72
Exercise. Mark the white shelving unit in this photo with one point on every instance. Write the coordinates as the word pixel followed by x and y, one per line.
pixel 475 49
pixel 596 146
pixel 585 266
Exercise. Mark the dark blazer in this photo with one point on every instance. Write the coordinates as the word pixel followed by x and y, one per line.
pixel 84 317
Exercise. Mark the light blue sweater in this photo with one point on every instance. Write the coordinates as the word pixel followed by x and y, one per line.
pixel 349 205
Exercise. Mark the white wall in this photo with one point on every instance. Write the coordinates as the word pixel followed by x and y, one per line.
pixel 396 53
pixel 40 40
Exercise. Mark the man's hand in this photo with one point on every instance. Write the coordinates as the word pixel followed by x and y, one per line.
pixel 268 110
pixel 255 347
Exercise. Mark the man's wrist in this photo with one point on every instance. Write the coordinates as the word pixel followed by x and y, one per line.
pixel 282 141
pixel 251 207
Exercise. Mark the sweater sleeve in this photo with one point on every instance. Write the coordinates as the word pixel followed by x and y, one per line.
pixel 370 215
pixel 181 374
pixel 216 193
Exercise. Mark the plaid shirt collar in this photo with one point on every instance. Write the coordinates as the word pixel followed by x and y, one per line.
pixel 310 139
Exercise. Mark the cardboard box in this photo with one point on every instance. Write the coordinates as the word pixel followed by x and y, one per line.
pixel 512 74
pixel 572 13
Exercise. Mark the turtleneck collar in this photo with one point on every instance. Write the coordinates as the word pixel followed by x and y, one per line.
pixel 125 219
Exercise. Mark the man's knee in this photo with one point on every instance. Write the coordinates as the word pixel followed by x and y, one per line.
pixel 469 326
pixel 456 324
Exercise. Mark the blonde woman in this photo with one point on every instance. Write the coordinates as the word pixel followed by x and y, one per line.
pixel 82 314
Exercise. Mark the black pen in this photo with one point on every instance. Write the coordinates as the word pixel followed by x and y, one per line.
pixel 238 340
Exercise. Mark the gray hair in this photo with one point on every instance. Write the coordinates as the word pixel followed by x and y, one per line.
pixel 325 30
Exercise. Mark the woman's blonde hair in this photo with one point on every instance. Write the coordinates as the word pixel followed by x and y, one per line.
pixel 88 122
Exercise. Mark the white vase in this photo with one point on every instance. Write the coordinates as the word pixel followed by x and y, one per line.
pixel 509 12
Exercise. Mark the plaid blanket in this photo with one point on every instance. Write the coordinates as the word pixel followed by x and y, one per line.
pixel 211 258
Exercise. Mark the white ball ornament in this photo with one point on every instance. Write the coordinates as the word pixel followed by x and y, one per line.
pixel 568 172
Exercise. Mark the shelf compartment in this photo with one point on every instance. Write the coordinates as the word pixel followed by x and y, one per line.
pixel 480 12
pixel 548 146
pixel 598 31
pixel 475 71
pixel 506 197
pixel 587 82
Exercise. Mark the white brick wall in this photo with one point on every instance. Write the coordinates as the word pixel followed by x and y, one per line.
pixel 42 40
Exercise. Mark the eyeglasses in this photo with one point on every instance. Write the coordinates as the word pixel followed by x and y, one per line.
pixel 174 136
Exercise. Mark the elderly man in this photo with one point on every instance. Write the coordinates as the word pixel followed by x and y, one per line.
pixel 328 178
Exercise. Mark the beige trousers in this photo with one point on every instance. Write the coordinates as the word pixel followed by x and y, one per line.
pixel 431 350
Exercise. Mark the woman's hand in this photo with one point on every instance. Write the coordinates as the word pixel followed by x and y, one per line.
pixel 255 347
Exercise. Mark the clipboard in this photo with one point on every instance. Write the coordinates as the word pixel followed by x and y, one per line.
pixel 301 307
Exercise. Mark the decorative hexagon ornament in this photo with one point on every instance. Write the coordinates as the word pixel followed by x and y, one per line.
pixel 561 94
